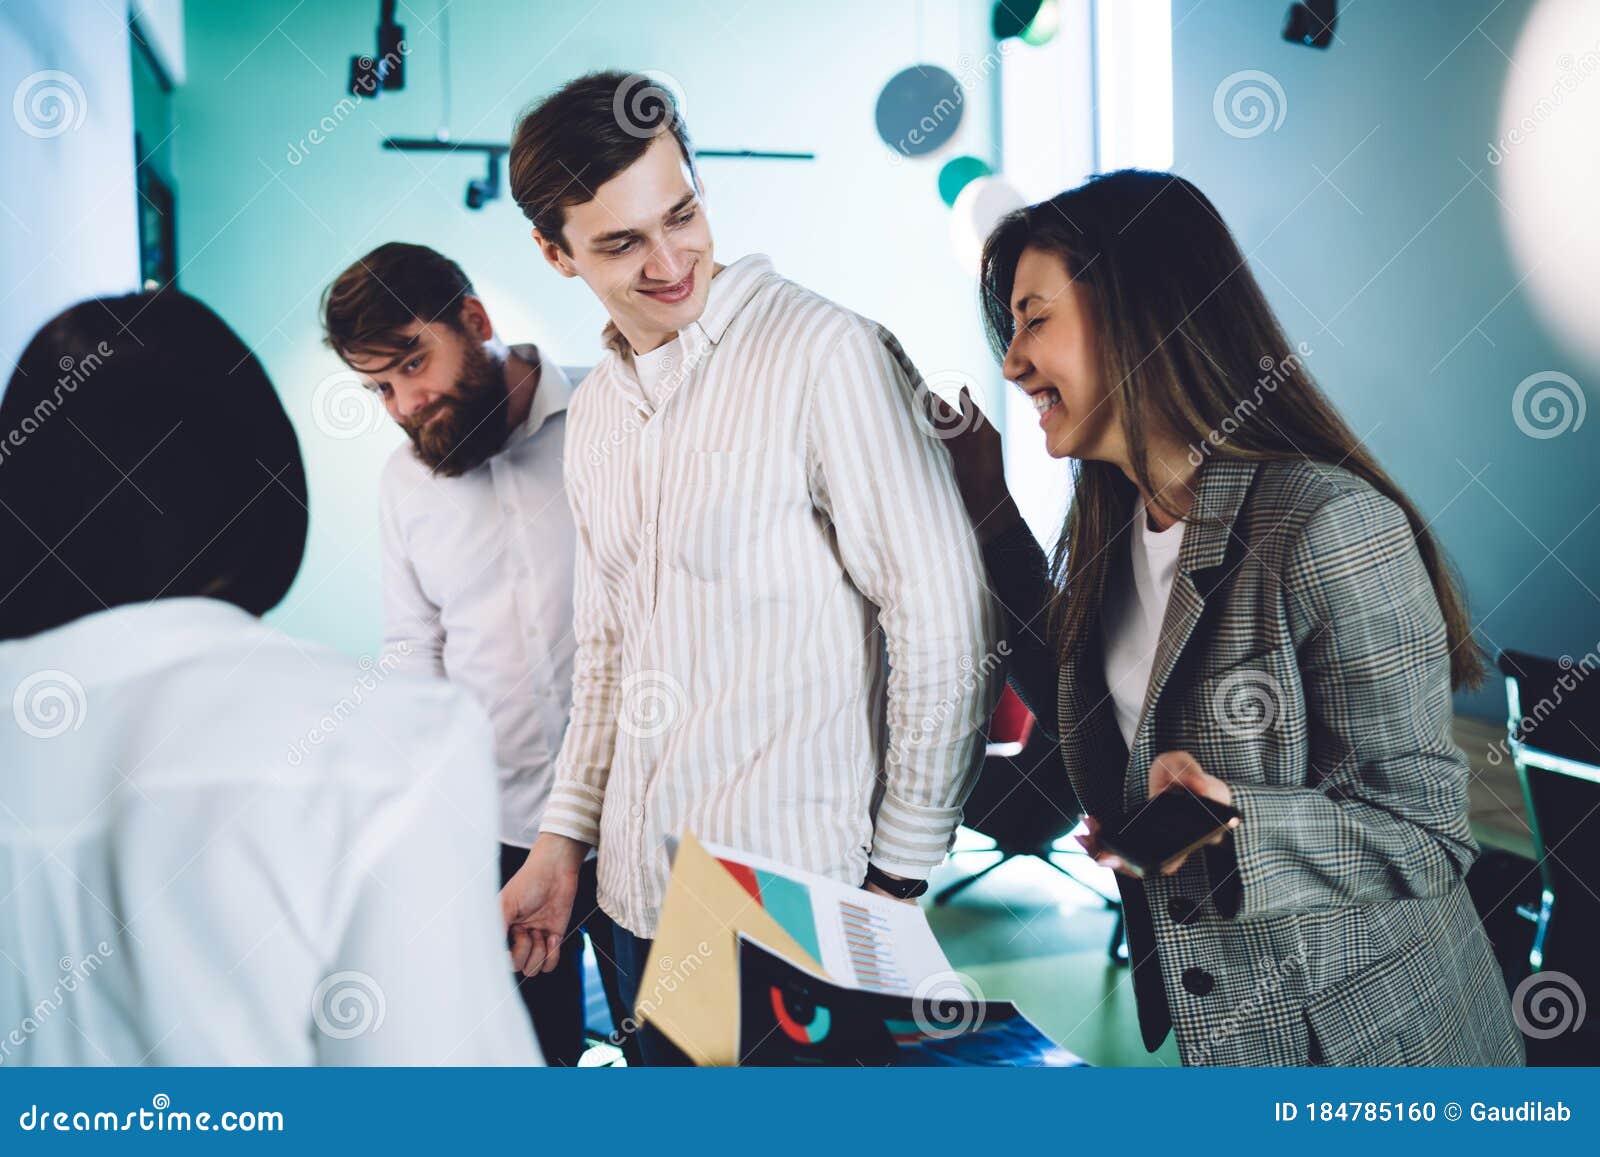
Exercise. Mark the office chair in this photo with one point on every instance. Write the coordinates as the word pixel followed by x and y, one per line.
pixel 1554 739
pixel 1024 802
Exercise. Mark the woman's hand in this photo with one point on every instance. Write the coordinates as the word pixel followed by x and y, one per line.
pixel 1180 769
pixel 974 446
pixel 1090 843
pixel 1168 770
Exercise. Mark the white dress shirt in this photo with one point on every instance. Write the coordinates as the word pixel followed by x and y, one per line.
pixel 748 553
pixel 1136 604
pixel 477 587
pixel 220 846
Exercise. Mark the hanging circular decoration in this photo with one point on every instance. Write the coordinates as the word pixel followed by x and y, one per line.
pixel 1012 17
pixel 919 110
pixel 977 211
pixel 1032 21
pixel 957 174
pixel 1043 27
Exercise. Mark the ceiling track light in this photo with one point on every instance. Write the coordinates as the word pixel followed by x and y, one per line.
pixel 371 75
pixel 482 190
pixel 1311 23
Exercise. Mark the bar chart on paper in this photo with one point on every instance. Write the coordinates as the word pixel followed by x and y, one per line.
pixel 869 942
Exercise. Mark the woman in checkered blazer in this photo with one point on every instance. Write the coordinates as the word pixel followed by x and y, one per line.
pixel 1241 603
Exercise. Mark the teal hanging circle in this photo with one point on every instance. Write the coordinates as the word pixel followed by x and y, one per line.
pixel 957 174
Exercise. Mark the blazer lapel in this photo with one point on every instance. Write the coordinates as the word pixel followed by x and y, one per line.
pixel 1222 486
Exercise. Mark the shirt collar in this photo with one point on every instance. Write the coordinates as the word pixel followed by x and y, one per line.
pixel 125 640
pixel 552 396
pixel 731 291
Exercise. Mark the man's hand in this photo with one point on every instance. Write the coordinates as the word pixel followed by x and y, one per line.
pixel 1169 769
pixel 974 447
pixel 537 902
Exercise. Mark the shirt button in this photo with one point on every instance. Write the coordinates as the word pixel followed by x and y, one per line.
pixel 649 528
pixel 1183 910
pixel 1198 981
pixel 638 811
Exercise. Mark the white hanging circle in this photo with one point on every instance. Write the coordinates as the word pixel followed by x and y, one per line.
pixel 977 211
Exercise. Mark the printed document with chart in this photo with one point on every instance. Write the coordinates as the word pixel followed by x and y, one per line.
pixel 859 938
pixel 856 940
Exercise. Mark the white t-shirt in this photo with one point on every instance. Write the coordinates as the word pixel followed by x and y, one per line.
pixel 223 846
pixel 1134 609
pixel 654 370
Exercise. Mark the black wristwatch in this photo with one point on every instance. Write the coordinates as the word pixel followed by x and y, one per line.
pixel 899 889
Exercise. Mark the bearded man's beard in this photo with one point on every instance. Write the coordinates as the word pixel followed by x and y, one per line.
pixel 460 433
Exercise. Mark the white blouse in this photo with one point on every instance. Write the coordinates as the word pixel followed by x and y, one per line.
pixel 221 846
pixel 1134 609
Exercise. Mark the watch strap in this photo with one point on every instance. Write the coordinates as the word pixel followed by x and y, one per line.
pixel 899 889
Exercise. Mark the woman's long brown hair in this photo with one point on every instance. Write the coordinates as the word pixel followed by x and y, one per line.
pixel 1185 333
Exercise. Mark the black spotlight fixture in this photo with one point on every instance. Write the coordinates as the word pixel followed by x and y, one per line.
pixel 371 75
pixel 481 192
pixel 1311 23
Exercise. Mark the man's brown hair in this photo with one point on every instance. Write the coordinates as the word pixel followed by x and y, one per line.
pixel 370 303
pixel 582 135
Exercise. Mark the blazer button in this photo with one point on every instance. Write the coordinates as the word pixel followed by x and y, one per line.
pixel 1183 910
pixel 1198 981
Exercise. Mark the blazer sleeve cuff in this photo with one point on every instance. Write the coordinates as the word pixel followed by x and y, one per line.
pixel 1222 865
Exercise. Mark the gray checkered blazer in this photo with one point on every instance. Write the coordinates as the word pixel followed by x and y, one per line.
pixel 1303 660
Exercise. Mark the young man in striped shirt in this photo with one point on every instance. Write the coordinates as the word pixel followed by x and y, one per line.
pixel 784 639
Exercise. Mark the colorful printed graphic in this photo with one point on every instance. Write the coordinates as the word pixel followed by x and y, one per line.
pixel 866 936
pixel 807 1034
pixel 823 1023
pixel 787 901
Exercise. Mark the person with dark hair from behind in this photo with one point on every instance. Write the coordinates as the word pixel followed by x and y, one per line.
pixel 219 846
pixel 478 545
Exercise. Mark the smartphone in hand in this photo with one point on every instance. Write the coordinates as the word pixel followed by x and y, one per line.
pixel 1170 825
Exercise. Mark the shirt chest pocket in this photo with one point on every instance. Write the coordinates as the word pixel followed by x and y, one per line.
pixel 712 528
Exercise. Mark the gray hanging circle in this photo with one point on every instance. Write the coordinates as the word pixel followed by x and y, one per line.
pixel 919 110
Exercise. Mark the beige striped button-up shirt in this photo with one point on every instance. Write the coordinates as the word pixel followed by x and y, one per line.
pixel 785 643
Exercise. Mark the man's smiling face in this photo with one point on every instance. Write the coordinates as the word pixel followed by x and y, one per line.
pixel 643 246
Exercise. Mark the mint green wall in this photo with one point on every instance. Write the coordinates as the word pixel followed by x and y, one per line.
pixel 261 236
pixel 1385 268
pixel 1383 286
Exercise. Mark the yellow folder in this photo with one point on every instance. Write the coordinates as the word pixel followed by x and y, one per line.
pixel 690 989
